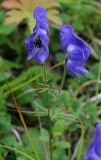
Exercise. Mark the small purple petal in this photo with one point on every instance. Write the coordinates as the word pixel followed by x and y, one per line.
pixel 33 54
pixel 71 69
pixel 81 70
pixel 97 140
pixel 41 18
pixel 43 36
pixel 90 154
pixel 29 43
pixel 86 53
pixel 75 53
pixel 94 151
pixel 42 55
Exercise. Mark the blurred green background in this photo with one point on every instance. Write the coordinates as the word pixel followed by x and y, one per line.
pixel 78 101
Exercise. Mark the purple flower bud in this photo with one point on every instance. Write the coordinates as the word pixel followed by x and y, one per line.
pixel 37 43
pixel 76 50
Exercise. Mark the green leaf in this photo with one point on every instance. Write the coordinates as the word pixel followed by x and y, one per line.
pixel 72 127
pixel 2 15
pixel 25 95
pixel 9 140
pixel 63 144
pixel 46 136
pixel 65 100
pixel 7 29
pixel 7 75
pixel 21 158
pixel 5 123
pixel 6 65
pixel 89 113
pixel 60 153
pixel 37 142
pixel 59 127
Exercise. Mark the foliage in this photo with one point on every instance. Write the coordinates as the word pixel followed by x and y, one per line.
pixel 77 107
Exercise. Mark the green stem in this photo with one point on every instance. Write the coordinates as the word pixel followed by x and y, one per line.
pixel 16 150
pixel 61 86
pixel 69 149
pixel 98 78
pixel 1 158
pixel 44 145
pixel 81 142
pixel 63 79
pixel 49 116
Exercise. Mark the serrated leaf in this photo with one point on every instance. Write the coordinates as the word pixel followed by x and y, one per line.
pixel 54 13
pixel 12 4
pixel 23 9
pixel 14 16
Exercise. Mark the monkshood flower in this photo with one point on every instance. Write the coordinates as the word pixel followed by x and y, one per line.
pixel 94 151
pixel 37 43
pixel 76 50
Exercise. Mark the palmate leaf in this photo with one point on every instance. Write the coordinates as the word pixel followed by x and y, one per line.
pixel 19 10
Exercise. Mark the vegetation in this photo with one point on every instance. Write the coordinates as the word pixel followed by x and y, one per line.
pixel 24 122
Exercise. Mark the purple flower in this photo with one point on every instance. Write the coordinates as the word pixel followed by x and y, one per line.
pixel 37 42
pixel 94 151
pixel 76 50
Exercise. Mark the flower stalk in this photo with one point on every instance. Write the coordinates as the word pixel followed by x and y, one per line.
pixel 61 86
pixel 49 115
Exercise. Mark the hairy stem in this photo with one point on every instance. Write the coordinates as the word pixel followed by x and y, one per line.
pixel 44 145
pixel 98 77
pixel 49 115
pixel 61 86
pixel 81 141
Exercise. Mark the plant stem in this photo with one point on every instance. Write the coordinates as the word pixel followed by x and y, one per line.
pixel 81 141
pixel 63 79
pixel 61 86
pixel 22 119
pixel 49 116
pixel 1 158
pixel 98 77
pixel 44 145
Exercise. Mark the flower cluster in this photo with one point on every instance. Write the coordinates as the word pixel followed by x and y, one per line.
pixel 37 42
pixel 94 151
pixel 76 50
